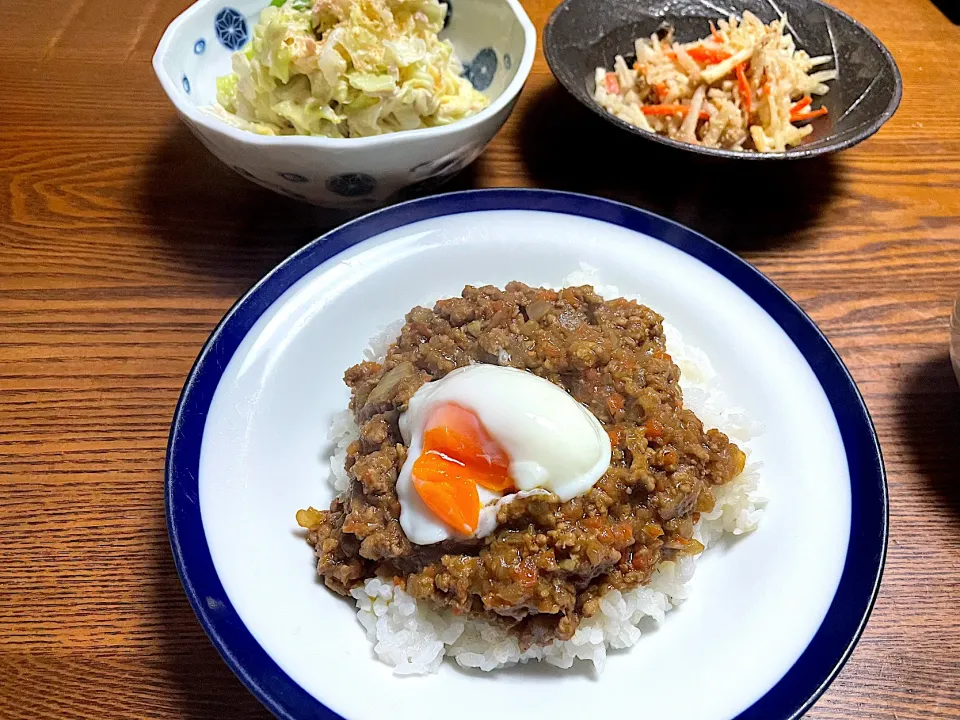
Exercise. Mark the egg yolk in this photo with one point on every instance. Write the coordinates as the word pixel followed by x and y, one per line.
pixel 458 455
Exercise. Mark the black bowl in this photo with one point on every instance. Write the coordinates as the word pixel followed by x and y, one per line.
pixel 582 35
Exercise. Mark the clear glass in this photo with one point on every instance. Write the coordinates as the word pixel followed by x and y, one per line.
pixel 955 337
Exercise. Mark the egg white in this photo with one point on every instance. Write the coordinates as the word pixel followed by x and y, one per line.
pixel 554 443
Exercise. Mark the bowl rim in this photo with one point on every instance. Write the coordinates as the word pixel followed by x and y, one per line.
pixel 819 663
pixel 214 124
pixel 867 130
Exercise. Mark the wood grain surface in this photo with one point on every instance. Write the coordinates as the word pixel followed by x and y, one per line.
pixel 122 242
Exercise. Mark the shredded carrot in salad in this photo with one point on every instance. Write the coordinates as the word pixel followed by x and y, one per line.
pixel 746 86
pixel 714 34
pixel 798 117
pixel 671 110
pixel 801 104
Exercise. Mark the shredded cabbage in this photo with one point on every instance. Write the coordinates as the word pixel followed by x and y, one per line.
pixel 346 68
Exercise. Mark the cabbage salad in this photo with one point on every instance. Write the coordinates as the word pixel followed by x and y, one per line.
pixel 346 68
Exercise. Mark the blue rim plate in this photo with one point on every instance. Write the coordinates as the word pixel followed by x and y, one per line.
pixel 859 582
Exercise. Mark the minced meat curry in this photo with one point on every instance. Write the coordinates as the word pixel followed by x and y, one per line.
pixel 548 562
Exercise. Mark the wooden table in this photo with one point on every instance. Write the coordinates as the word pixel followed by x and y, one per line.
pixel 122 241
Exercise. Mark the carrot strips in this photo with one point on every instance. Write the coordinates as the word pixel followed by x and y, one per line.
pixel 707 56
pixel 744 88
pixel 702 55
pixel 671 110
pixel 808 115
pixel 801 105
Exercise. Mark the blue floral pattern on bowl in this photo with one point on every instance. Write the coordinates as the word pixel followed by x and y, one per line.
pixel 481 70
pixel 231 28
pixel 185 82
pixel 199 46
pixel 351 185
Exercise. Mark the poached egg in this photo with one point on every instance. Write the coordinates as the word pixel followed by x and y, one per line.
pixel 485 435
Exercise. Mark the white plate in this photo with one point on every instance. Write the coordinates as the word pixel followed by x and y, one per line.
pixel 765 627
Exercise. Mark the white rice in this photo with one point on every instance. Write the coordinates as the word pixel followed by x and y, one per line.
pixel 414 638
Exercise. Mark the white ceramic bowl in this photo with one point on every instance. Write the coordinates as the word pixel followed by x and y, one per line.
pixel 494 38
pixel 770 617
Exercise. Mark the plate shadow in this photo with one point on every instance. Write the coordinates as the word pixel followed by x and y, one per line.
pixel 217 226
pixel 929 411
pixel 221 228
pixel 202 686
pixel 743 205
